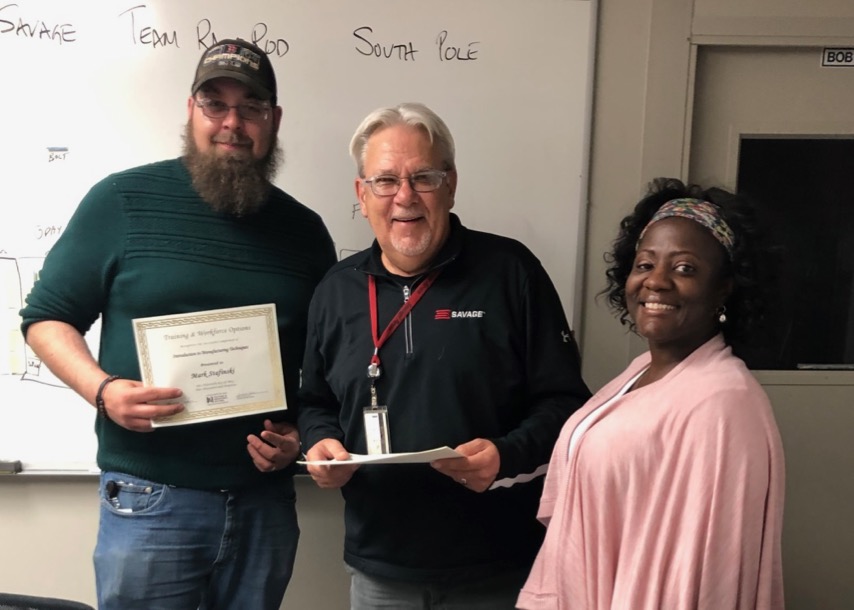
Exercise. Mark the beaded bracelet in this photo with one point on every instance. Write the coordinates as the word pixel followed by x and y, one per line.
pixel 99 396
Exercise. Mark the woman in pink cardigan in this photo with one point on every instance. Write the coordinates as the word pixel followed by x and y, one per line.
pixel 665 491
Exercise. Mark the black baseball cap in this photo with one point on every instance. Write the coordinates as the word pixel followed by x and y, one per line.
pixel 242 61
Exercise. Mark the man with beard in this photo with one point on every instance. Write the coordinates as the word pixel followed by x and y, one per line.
pixel 202 515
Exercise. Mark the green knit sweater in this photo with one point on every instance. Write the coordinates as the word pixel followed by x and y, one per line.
pixel 143 243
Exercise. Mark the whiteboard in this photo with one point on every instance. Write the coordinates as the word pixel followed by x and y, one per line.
pixel 98 86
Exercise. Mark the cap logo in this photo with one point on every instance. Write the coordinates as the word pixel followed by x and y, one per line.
pixel 232 55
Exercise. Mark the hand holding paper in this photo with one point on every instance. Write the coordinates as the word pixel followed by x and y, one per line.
pixel 413 457
pixel 324 452
pixel 331 466
pixel 133 406
pixel 479 468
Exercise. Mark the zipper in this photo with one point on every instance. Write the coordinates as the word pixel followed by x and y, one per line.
pixel 407 323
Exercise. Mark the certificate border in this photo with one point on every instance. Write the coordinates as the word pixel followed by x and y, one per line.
pixel 276 403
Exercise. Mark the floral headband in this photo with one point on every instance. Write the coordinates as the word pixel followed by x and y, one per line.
pixel 699 211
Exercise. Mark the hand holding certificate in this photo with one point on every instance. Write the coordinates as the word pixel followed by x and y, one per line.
pixel 412 457
pixel 226 361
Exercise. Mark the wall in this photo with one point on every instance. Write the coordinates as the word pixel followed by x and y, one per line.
pixel 790 18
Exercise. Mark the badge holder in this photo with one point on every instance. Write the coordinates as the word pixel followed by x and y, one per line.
pixel 376 419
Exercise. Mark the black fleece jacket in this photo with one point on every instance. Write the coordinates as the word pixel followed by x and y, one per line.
pixel 486 353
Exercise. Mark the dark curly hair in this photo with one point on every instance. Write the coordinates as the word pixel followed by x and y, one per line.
pixel 749 268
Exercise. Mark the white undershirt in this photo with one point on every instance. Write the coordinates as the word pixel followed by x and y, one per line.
pixel 594 415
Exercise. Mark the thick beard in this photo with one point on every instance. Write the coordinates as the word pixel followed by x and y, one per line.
pixel 231 184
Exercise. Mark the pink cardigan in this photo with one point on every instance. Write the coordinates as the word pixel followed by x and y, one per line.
pixel 672 499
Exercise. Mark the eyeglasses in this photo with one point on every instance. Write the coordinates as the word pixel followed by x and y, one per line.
pixel 216 109
pixel 386 185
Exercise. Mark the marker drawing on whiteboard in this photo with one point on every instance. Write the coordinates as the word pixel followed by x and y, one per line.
pixel 56 153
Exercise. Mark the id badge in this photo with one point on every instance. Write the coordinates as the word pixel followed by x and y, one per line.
pixel 376 430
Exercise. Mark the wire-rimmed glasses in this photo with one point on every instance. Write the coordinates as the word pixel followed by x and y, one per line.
pixel 249 111
pixel 385 185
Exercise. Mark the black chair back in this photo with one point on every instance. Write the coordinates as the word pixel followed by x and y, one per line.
pixel 14 601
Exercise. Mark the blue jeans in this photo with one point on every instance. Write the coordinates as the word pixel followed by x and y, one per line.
pixel 496 592
pixel 163 547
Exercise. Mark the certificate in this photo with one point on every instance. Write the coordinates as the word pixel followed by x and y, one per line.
pixel 226 362
pixel 412 457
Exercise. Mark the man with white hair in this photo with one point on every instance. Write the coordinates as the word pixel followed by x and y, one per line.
pixel 436 335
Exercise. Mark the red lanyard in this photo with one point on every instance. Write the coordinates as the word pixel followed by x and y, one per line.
pixel 398 317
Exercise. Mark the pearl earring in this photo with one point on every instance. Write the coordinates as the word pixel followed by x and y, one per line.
pixel 721 313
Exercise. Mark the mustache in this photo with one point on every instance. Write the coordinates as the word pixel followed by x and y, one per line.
pixel 232 138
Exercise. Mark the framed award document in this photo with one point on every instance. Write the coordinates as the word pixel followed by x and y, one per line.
pixel 226 362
